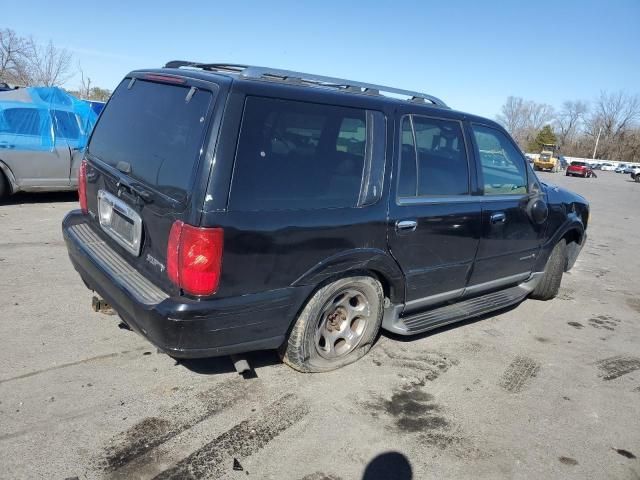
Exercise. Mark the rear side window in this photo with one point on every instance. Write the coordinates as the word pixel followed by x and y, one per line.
pixel 157 129
pixel 433 158
pixel 298 155
pixel 66 125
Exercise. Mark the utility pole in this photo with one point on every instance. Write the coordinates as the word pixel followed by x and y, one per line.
pixel 596 147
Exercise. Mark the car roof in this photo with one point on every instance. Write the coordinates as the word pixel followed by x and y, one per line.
pixel 267 81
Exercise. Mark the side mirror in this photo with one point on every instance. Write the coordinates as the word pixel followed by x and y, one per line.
pixel 537 210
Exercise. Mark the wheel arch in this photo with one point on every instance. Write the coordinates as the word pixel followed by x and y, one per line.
pixel 9 176
pixel 573 232
pixel 372 262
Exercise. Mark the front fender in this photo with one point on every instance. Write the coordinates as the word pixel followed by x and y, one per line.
pixel 367 259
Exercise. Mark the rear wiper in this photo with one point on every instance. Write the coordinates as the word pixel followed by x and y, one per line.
pixel 140 192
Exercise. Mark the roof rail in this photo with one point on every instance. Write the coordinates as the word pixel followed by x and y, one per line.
pixel 349 86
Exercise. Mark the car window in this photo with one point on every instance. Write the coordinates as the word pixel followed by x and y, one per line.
pixel 23 121
pixel 153 128
pixel 65 124
pixel 433 158
pixel 502 166
pixel 298 155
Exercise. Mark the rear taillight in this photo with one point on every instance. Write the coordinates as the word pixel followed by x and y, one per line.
pixel 82 186
pixel 194 258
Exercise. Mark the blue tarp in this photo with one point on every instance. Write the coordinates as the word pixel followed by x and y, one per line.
pixel 37 118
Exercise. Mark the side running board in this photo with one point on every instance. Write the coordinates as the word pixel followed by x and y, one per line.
pixel 424 321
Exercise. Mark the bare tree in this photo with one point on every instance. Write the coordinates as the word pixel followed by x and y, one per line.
pixel 15 54
pixel 51 66
pixel 569 120
pixel 539 115
pixel 523 119
pixel 24 62
pixel 615 117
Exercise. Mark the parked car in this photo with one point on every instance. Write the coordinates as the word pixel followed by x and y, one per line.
pixel 621 168
pixel 579 169
pixel 608 167
pixel 635 173
pixel 41 132
pixel 630 168
pixel 228 208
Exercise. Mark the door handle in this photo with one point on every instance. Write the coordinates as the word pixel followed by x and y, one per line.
pixel 498 218
pixel 406 225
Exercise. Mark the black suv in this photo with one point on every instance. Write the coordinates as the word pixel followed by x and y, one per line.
pixel 229 208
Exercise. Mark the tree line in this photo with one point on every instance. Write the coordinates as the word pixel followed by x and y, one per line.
pixel 24 62
pixel 612 120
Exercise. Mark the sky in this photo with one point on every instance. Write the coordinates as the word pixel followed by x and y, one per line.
pixel 471 54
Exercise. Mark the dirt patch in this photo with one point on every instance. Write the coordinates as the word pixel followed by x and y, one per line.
pixel 604 321
pixel 543 339
pixel 424 366
pixel 241 441
pixel 154 431
pixel 575 324
pixel 625 453
pixel 320 476
pixel 568 461
pixel 519 373
pixel 614 367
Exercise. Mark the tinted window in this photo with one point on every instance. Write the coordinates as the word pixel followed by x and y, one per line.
pixel 65 125
pixel 433 158
pixel 503 168
pixel 23 121
pixel 154 129
pixel 296 155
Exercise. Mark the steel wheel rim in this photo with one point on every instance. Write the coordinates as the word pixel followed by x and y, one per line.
pixel 342 323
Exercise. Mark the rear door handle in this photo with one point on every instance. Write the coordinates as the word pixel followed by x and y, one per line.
pixel 406 225
pixel 498 218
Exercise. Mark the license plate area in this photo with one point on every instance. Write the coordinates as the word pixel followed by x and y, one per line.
pixel 120 221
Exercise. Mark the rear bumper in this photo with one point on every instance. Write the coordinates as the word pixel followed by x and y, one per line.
pixel 544 165
pixel 180 326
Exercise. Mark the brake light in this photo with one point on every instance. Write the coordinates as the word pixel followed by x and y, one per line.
pixel 164 78
pixel 194 258
pixel 82 186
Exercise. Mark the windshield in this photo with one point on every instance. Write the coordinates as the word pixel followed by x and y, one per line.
pixel 156 130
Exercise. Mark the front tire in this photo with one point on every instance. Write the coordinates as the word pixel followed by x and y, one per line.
pixel 337 326
pixel 549 284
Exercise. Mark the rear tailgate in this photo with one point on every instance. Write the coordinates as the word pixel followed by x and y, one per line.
pixel 143 159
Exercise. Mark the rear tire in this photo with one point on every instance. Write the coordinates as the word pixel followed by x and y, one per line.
pixel 552 277
pixel 337 326
pixel 637 179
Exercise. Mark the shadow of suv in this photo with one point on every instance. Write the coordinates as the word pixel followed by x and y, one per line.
pixel 229 208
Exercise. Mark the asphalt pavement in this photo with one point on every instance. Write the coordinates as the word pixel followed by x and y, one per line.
pixel 542 390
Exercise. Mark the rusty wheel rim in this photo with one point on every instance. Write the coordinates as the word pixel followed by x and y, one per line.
pixel 342 323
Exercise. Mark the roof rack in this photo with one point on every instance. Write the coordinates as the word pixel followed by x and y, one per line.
pixel 349 86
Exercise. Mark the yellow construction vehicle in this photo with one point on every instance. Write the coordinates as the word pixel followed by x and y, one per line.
pixel 548 160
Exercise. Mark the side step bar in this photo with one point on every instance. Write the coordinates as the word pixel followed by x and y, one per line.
pixel 430 319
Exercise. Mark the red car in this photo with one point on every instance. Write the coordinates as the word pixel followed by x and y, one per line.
pixel 580 169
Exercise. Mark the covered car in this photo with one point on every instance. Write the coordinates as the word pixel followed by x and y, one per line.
pixel 42 132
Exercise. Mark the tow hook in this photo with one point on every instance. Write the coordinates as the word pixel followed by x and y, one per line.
pixel 99 305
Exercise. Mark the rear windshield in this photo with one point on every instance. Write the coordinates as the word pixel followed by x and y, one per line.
pixel 156 129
